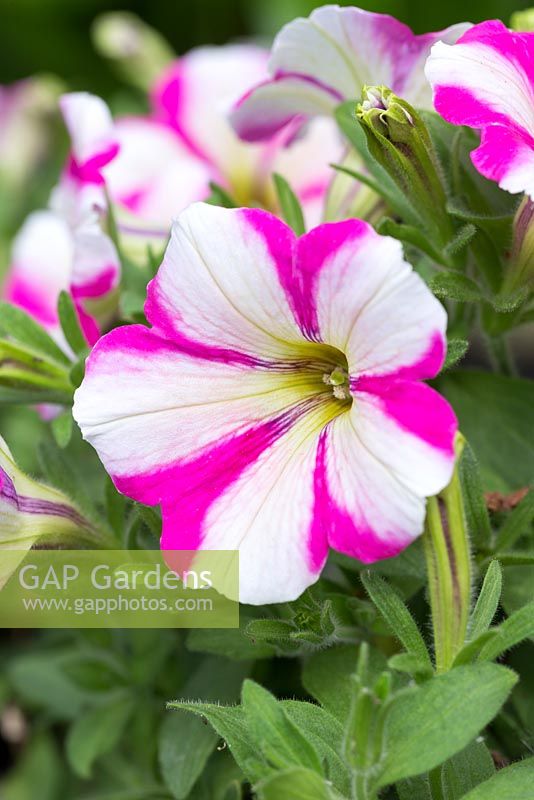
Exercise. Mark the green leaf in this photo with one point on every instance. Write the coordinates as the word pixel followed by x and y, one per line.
pixel 487 602
pixel 116 504
pixel 38 768
pixel 429 724
pixel 96 733
pixel 456 350
pixel 325 733
pixel 229 642
pixel 185 744
pixel 512 783
pixel 471 651
pixel 327 675
pixel 505 406
pixel 266 630
pixel 410 235
pixel 185 741
pixel 461 240
pixel 220 197
pixel 22 328
pixel 416 788
pixel 289 205
pixel 70 324
pixel 455 286
pixel 230 724
pixel 62 428
pixel 476 511
pixel 280 740
pixel 518 626
pixel 517 523
pixel 12 396
pixel 466 770
pixel 294 784
pixel 397 617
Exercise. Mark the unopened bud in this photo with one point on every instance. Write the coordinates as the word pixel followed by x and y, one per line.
pixel 139 51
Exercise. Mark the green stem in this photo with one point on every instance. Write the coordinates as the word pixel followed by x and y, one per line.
pixel 500 355
pixel 436 787
pixel 447 552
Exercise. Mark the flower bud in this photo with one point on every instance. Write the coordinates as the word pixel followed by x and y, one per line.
pixel 139 51
pixel 399 140
pixel 520 273
pixel 34 514
pixel 523 20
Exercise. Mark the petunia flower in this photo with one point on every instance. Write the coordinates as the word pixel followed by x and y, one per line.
pixel 276 407
pixel 65 246
pixel 32 513
pixel 168 159
pixel 486 81
pixel 318 62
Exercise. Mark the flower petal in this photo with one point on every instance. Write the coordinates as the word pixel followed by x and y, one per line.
pixel 319 61
pixel 227 450
pixel 41 266
pixel 305 163
pixel 486 81
pixel 219 289
pixel 196 92
pixel 155 176
pixel 376 465
pixel 187 404
pixel 90 126
pixel 362 297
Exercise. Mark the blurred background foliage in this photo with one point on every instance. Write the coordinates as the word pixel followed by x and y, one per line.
pixel 53 35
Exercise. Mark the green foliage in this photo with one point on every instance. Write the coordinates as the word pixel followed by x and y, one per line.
pixel 289 205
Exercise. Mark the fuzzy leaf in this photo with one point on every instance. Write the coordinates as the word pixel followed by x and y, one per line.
pixel 280 740
pixel 430 723
pixel 397 617
pixel 295 784
pixel 513 783
pixel 22 328
pixel 487 602
pixel 70 324
pixel 455 286
pixel 518 626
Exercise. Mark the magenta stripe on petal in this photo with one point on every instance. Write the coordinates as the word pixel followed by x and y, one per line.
pixel 31 299
pixel 186 491
pixel 100 285
pixel 416 408
pixel 345 534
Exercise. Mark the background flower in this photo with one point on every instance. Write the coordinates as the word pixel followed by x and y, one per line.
pixel 318 62
pixel 65 246
pixel 486 81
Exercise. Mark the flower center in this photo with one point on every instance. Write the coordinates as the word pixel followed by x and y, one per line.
pixel 338 379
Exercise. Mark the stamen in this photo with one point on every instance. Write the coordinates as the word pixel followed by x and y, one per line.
pixel 338 379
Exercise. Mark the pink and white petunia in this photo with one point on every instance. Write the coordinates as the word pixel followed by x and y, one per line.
pixel 275 406
pixel 167 160
pixel 486 81
pixel 65 247
pixel 318 62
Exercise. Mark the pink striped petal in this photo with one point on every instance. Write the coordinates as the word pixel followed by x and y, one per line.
pixel 90 126
pixel 378 463
pixel 218 291
pixel 320 61
pixel 361 296
pixel 41 266
pixel 486 81
pixel 155 175
pixel 196 93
